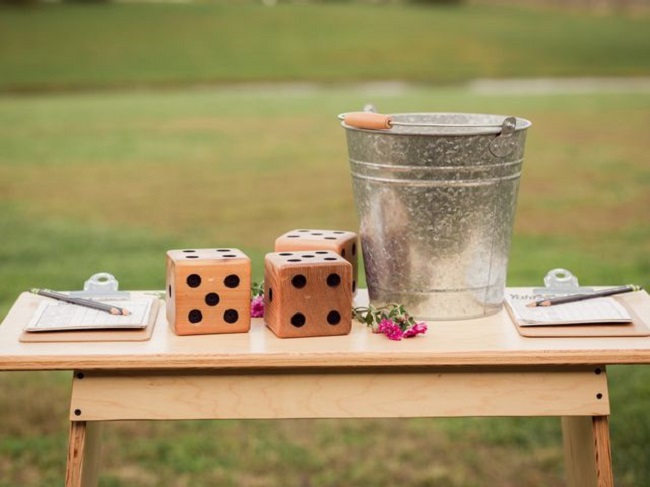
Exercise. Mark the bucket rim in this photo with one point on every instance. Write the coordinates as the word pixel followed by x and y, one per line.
pixel 447 129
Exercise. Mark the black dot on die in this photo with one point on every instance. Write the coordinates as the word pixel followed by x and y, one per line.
pixel 330 238
pixel 195 316
pixel 294 260
pixel 321 252
pixel 354 249
pixel 231 281
pixel 333 317
pixel 212 299
pixel 193 280
pixel 354 286
pixel 284 254
pixel 298 320
pixel 169 290
pixel 299 281
pixel 343 253
pixel 333 280
pixel 230 316
pixel 329 258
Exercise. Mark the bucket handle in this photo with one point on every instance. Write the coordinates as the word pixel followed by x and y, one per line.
pixel 501 146
pixel 380 121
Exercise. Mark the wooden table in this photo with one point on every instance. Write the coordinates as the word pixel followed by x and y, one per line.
pixel 480 367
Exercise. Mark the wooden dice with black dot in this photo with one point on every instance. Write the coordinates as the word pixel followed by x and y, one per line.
pixel 343 243
pixel 306 295
pixel 208 291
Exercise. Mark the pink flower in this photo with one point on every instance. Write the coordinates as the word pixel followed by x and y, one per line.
pixel 257 307
pixel 390 329
pixel 417 329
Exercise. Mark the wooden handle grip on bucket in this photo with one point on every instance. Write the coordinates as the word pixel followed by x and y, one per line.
pixel 368 120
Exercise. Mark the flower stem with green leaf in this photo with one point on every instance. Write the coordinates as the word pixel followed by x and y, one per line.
pixel 390 319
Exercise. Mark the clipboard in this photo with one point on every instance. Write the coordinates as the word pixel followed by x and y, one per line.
pixel 636 327
pixel 61 316
pixel 98 334
pixel 85 325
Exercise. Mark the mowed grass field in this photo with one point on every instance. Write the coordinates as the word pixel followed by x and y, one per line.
pixel 76 46
pixel 95 179
pixel 115 176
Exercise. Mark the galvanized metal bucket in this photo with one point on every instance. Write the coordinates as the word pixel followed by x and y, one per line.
pixel 436 196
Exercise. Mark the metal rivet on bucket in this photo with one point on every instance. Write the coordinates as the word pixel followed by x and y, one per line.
pixel 504 144
pixel 436 195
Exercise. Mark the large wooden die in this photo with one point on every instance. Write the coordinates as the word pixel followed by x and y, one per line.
pixel 208 291
pixel 343 243
pixel 306 295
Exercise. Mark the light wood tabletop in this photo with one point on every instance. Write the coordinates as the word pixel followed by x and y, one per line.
pixel 489 341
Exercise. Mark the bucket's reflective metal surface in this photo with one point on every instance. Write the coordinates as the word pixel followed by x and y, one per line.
pixel 436 207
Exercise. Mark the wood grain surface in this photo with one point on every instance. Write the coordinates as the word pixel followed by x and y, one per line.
pixel 492 340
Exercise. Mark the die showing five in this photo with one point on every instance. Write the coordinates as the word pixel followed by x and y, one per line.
pixel 208 291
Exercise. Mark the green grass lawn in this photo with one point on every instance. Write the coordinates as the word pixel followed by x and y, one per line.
pixel 114 177
pixel 72 45
pixel 110 181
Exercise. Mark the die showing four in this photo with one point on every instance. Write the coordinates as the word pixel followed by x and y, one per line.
pixel 343 243
pixel 305 294
pixel 208 291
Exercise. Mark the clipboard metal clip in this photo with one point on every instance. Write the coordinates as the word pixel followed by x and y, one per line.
pixel 102 286
pixel 560 281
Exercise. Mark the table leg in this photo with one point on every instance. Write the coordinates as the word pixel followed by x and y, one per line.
pixel 83 454
pixel 587 451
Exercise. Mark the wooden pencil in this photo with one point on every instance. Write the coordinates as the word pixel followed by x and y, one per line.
pixel 88 303
pixel 581 297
